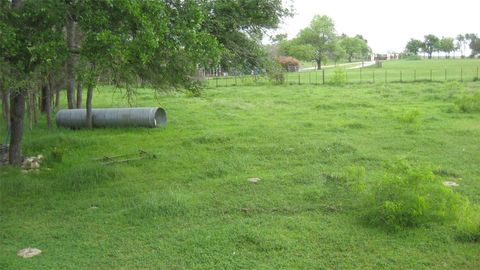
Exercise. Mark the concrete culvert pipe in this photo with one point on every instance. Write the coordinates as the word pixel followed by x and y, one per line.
pixel 115 117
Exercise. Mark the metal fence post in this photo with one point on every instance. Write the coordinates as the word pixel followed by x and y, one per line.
pixel 216 81
pixel 445 74
pixel 316 77
pixel 431 78
pixel 310 77
pixel 323 76
pixel 414 75
pixel 298 77
pixel 401 76
pixel 461 74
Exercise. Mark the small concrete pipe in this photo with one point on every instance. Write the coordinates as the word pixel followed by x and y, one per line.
pixel 115 117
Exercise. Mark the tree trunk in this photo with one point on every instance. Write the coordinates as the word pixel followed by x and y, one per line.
pixel 48 104
pixel 43 100
pixel 17 106
pixel 5 105
pixel 319 64
pixel 57 97
pixel 89 107
pixel 79 94
pixel 34 108
pixel 30 110
pixel 69 67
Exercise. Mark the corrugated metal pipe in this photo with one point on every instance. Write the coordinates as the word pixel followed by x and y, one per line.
pixel 114 117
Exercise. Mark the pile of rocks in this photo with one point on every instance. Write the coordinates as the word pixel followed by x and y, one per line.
pixel 32 163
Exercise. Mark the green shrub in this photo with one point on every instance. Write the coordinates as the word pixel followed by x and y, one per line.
pixel 56 154
pixel 275 72
pixel 410 116
pixel 409 196
pixel 468 228
pixel 339 77
pixel 469 102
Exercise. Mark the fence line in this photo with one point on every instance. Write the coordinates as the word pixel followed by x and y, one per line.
pixel 363 75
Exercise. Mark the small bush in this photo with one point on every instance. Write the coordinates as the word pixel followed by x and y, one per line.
pixel 410 116
pixel 56 154
pixel 411 196
pixel 289 63
pixel 339 77
pixel 469 103
pixel 468 229
pixel 194 88
pixel 275 73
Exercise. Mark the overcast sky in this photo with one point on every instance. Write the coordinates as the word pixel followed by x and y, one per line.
pixel 389 24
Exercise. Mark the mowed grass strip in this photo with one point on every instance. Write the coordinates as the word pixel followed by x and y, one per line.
pixel 193 208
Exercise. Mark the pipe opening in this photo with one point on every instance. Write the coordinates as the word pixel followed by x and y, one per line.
pixel 160 117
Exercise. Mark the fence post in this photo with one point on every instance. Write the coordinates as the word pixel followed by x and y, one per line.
pixel 414 75
pixel 373 74
pixel 445 74
pixel 431 75
pixel 477 73
pixel 226 81
pixel 461 74
pixel 385 76
pixel 309 77
pixel 360 75
pixel 216 81
pixel 298 77
pixel 323 76
pixel 235 76
pixel 401 76
pixel 346 76
pixel 316 77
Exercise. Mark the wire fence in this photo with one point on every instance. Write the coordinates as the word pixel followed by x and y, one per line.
pixel 353 76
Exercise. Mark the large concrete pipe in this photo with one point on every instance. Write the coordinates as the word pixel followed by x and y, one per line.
pixel 115 117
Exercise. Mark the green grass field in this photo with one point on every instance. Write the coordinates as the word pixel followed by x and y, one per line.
pixel 437 70
pixel 193 208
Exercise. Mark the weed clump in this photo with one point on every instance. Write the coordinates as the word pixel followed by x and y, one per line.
pixel 409 116
pixel 409 196
pixel 339 77
pixel 468 103
pixel 468 228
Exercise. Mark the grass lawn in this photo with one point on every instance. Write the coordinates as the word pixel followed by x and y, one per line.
pixel 193 208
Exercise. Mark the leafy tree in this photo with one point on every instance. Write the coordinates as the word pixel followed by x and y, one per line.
pixel 461 42
pixel 321 36
pixel 31 35
pixel 413 47
pixel 337 53
pixel 365 50
pixel 238 25
pixel 298 50
pixel 430 44
pixel 354 46
pixel 474 44
pixel 447 45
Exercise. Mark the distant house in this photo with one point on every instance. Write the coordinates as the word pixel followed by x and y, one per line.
pixel 386 56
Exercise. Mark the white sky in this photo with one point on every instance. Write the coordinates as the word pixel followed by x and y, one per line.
pixel 389 24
